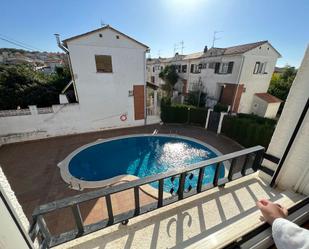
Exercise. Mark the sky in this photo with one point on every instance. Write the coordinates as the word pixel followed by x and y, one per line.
pixel 163 23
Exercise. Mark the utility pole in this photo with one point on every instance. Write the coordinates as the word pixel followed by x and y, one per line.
pixel 215 37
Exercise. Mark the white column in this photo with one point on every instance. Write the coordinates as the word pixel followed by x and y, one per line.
pixel 33 109
pixel 207 118
pixel 222 114
pixel 155 102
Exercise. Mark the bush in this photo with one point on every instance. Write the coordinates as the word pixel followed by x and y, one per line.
pixel 249 130
pixel 183 114
pixel 220 108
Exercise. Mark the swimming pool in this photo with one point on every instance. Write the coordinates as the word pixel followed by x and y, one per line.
pixel 100 163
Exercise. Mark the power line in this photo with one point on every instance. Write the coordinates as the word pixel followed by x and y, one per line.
pixel 18 43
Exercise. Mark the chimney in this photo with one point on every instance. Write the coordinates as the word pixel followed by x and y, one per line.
pixel 205 49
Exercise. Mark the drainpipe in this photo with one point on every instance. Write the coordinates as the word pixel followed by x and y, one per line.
pixel 60 45
pixel 238 78
pixel 145 88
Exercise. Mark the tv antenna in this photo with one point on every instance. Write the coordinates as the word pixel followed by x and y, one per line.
pixel 102 23
pixel 182 46
pixel 215 38
pixel 159 52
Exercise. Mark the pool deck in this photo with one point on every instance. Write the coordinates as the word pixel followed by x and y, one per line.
pixel 31 168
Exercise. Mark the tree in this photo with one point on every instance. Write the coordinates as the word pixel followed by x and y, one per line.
pixel 21 85
pixel 170 77
pixel 280 83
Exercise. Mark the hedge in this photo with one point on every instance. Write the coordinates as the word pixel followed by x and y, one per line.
pixel 249 130
pixel 183 114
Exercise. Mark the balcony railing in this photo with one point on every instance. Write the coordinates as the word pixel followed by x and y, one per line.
pixel 241 163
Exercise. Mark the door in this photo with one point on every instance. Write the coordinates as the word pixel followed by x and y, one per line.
pixel 139 109
pixel 214 119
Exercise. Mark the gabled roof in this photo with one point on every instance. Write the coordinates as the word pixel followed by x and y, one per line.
pixel 213 52
pixel 268 98
pixel 193 56
pixel 102 29
pixel 240 49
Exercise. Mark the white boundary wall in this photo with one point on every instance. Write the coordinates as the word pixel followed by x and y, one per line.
pixel 58 120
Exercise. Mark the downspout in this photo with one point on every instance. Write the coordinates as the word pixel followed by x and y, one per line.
pixel 60 45
pixel 145 88
pixel 238 78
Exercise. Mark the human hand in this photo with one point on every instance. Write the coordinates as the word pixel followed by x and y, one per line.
pixel 271 211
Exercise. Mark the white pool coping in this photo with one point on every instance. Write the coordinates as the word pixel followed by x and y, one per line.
pixel 79 184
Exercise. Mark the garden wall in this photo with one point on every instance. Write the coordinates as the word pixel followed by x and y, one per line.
pixel 36 123
pixel 183 114
pixel 249 130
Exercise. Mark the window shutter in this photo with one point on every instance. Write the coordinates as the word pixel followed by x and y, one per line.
pixel 103 63
pixel 217 67
pixel 230 67
pixel 192 68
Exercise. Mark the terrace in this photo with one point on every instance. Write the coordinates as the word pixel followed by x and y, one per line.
pixel 217 214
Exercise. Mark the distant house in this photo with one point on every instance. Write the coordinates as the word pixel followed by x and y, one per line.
pixel 265 105
pixel 109 75
pixel 229 75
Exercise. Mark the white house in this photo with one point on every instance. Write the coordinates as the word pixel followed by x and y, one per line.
pixel 109 79
pixel 109 74
pixel 265 105
pixel 228 75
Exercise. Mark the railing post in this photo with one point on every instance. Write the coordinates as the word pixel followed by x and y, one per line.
pixel 200 179
pixel 136 199
pixel 160 195
pixel 216 176
pixel 78 219
pixel 258 159
pixel 109 209
pixel 230 175
pixel 43 228
pixel 181 185
pixel 244 167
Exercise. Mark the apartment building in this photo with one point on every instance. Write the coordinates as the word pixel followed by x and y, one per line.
pixel 231 75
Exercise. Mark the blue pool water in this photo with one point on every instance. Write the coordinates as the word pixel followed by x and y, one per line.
pixel 142 156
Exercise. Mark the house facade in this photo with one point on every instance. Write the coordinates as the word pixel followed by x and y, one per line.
pixel 109 75
pixel 227 75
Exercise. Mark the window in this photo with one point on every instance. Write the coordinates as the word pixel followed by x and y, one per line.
pixel 103 63
pixel 224 68
pixel 204 65
pixel 153 69
pixel 195 68
pixel 184 68
pixel 211 65
pixel 152 79
pixel 117 37
pixel 260 68
pixel 200 66
pixel 256 67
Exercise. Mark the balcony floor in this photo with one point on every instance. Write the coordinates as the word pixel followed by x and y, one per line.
pixel 213 218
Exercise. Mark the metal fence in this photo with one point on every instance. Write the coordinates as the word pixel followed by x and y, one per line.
pixel 246 161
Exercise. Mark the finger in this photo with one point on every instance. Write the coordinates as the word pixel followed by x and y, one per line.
pixel 260 205
pixel 265 202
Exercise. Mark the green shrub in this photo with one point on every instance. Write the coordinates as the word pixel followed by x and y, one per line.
pixel 249 130
pixel 220 107
pixel 183 114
